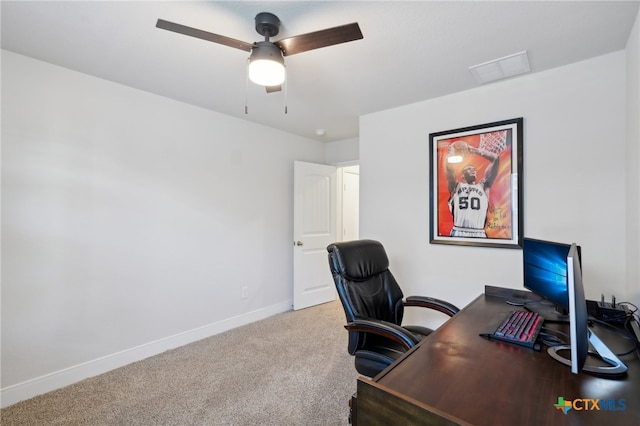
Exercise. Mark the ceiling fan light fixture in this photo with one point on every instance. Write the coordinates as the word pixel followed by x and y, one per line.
pixel 266 65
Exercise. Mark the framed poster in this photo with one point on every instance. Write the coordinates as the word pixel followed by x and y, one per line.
pixel 476 185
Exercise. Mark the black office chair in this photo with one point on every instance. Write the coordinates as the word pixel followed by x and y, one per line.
pixel 374 305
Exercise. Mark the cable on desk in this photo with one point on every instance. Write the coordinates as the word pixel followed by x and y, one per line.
pixel 548 338
pixel 626 330
pixel 631 311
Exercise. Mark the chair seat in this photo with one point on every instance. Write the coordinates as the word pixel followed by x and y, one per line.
pixel 377 353
pixel 371 361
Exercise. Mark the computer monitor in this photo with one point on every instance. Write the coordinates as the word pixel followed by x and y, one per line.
pixel 578 317
pixel 580 335
pixel 545 274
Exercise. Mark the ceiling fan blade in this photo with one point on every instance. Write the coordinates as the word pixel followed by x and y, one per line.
pixel 272 89
pixel 204 35
pixel 317 39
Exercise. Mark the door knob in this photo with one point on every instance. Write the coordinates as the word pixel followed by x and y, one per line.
pixel 299 243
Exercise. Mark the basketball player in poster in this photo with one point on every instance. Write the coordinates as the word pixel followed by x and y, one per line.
pixel 469 197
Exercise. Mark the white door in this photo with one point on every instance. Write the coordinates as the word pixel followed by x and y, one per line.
pixel 314 224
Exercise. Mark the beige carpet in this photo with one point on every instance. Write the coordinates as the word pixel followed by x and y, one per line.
pixel 290 369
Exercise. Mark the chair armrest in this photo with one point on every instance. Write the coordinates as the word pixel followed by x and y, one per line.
pixel 432 303
pixel 385 329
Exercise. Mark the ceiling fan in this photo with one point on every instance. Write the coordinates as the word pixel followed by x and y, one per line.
pixel 266 63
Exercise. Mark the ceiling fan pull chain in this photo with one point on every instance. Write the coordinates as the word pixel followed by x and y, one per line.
pixel 285 95
pixel 246 88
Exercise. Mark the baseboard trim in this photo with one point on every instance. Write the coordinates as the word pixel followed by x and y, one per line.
pixel 58 379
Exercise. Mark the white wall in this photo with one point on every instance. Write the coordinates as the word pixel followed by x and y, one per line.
pixel 342 151
pixel 632 162
pixel 130 223
pixel 574 178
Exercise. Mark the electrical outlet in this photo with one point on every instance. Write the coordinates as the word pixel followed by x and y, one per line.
pixel 245 292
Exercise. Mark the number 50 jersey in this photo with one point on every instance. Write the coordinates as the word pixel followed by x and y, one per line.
pixel 468 205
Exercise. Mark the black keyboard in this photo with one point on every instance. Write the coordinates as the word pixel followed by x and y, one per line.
pixel 518 327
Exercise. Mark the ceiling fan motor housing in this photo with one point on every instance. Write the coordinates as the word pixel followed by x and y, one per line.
pixel 267 24
pixel 267 51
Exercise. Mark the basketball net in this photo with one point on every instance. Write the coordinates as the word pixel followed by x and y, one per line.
pixel 495 142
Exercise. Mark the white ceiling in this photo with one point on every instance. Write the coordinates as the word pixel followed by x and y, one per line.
pixel 411 51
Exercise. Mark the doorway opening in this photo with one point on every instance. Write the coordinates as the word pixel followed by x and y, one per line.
pixel 348 216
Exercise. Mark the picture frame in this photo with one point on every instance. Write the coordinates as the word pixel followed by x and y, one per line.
pixel 476 185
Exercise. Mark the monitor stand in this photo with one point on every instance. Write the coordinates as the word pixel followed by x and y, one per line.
pixel 549 311
pixel 615 367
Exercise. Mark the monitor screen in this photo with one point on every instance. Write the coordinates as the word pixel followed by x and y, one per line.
pixel 545 270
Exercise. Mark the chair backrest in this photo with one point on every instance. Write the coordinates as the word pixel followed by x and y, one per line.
pixel 366 287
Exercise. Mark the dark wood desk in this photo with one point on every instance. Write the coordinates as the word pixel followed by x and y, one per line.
pixel 457 377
